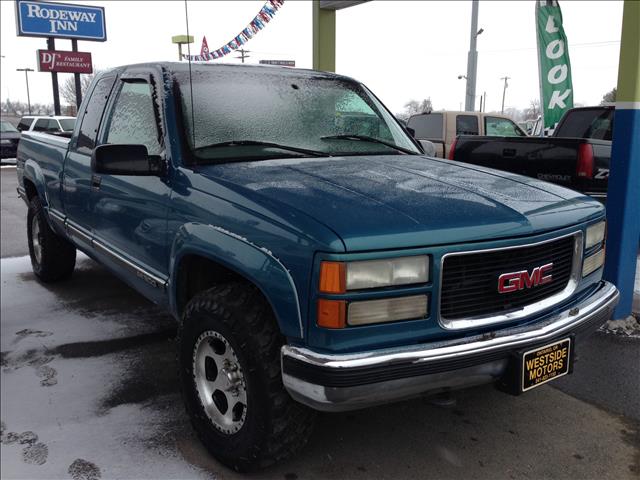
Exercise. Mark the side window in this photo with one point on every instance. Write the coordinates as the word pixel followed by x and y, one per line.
pixel 42 125
pixel 53 125
pixel 427 126
pixel 466 125
pixel 133 119
pixel 24 124
pixel 501 127
pixel 92 116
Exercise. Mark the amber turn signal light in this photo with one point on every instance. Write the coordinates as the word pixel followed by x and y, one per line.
pixel 332 313
pixel 332 277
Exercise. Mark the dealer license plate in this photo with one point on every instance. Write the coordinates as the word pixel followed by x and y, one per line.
pixel 546 363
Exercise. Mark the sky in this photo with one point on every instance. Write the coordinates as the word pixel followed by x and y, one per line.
pixel 402 50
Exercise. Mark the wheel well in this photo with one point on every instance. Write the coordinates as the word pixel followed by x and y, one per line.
pixel 196 274
pixel 30 189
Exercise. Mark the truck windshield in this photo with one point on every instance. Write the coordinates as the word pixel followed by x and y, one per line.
pixel 593 123
pixel 6 127
pixel 243 116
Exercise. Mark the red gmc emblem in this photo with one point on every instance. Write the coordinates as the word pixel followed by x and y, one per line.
pixel 510 282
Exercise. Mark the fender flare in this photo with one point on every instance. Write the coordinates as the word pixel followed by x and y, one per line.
pixel 33 173
pixel 257 264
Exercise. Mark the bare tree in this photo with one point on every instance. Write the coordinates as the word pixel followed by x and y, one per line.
pixel 68 87
pixel 413 107
pixel 609 97
pixel 533 110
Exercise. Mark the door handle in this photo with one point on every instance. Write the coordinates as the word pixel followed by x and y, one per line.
pixel 509 152
pixel 95 182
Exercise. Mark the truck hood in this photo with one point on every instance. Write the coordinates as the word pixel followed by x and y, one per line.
pixel 398 201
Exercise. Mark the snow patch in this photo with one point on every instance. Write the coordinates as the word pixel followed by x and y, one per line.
pixel 629 327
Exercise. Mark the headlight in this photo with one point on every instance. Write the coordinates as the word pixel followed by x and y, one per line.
pixel 339 277
pixel 595 235
pixel 593 263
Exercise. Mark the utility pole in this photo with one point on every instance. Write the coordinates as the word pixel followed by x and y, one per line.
pixel 472 59
pixel 26 77
pixel 504 90
pixel 243 54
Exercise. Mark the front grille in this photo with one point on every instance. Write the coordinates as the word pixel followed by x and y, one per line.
pixel 470 281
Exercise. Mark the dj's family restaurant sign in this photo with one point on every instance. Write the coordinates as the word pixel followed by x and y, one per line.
pixel 60 20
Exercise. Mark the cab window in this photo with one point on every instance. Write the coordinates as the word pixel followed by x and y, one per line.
pixel 24 124
pixel 93 115
pixel 466 125
pixel 501 127
pixel 133 119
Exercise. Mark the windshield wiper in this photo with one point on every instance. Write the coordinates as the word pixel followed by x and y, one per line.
pixel 257 143
pixel 365 138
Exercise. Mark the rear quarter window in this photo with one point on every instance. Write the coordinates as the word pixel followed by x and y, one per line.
pixel 93 115
pixel 24 124
pixel 427 126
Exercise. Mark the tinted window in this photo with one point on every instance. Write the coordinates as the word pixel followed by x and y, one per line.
pixel 67 124
pixel 133 119
pixel 466 125
pixel 42 125
pixel 588 123
pixel 93 115
pixel 428 126
pixel 501 127
pixel 24 124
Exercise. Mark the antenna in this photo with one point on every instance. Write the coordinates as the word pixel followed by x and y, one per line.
pixel 193 122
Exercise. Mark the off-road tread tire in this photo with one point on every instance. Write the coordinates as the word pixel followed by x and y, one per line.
pixel 276 426
pixel 58 253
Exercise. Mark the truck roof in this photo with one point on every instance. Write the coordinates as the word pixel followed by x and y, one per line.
pixel 231 68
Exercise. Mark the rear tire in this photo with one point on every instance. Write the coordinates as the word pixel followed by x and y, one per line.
pixel 53 257
pixel 233 392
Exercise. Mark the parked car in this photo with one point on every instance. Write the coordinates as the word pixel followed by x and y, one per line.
pixel 9 138
pixel 577 155
pixel 312 263
pixel 56 125
pixel 442 128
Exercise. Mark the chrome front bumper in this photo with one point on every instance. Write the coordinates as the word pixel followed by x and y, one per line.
pixel 357 380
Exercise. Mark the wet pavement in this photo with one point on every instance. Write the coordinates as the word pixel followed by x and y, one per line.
pixel 88 390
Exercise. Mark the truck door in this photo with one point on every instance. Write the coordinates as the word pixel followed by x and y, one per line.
pixel 130 212
pixel 76 184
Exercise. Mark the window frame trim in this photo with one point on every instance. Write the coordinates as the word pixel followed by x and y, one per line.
pixel 118 85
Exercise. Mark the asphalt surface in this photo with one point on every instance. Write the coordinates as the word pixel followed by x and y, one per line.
pixel 88 390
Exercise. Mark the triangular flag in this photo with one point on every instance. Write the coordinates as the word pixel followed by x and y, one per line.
pixel 205 48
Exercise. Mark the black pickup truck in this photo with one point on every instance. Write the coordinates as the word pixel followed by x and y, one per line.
pixel 577 155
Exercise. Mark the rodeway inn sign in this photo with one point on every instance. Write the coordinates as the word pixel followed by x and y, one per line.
pixel 60 20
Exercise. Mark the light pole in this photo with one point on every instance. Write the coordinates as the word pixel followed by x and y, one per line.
pixel 472 59
pixel 504 90
pixel 460 77
pixel 26 76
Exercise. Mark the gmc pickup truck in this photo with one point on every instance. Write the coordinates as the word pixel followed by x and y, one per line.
pixel 577 155
pixel 313 262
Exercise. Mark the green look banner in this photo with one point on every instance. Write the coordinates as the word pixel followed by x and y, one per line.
pixel 556 90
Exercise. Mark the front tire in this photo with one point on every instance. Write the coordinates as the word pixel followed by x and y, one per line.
pixel 229 356
pixel 53 257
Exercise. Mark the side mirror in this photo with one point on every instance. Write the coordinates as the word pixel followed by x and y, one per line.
pixel 116 159
pixel 428 147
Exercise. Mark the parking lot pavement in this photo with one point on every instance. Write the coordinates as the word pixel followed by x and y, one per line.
pixel 14 214
pixel 88 390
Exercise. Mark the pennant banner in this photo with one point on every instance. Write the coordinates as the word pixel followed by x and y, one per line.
pixel 264 16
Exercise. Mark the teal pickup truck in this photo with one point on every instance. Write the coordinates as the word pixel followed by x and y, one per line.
pixel 315 258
